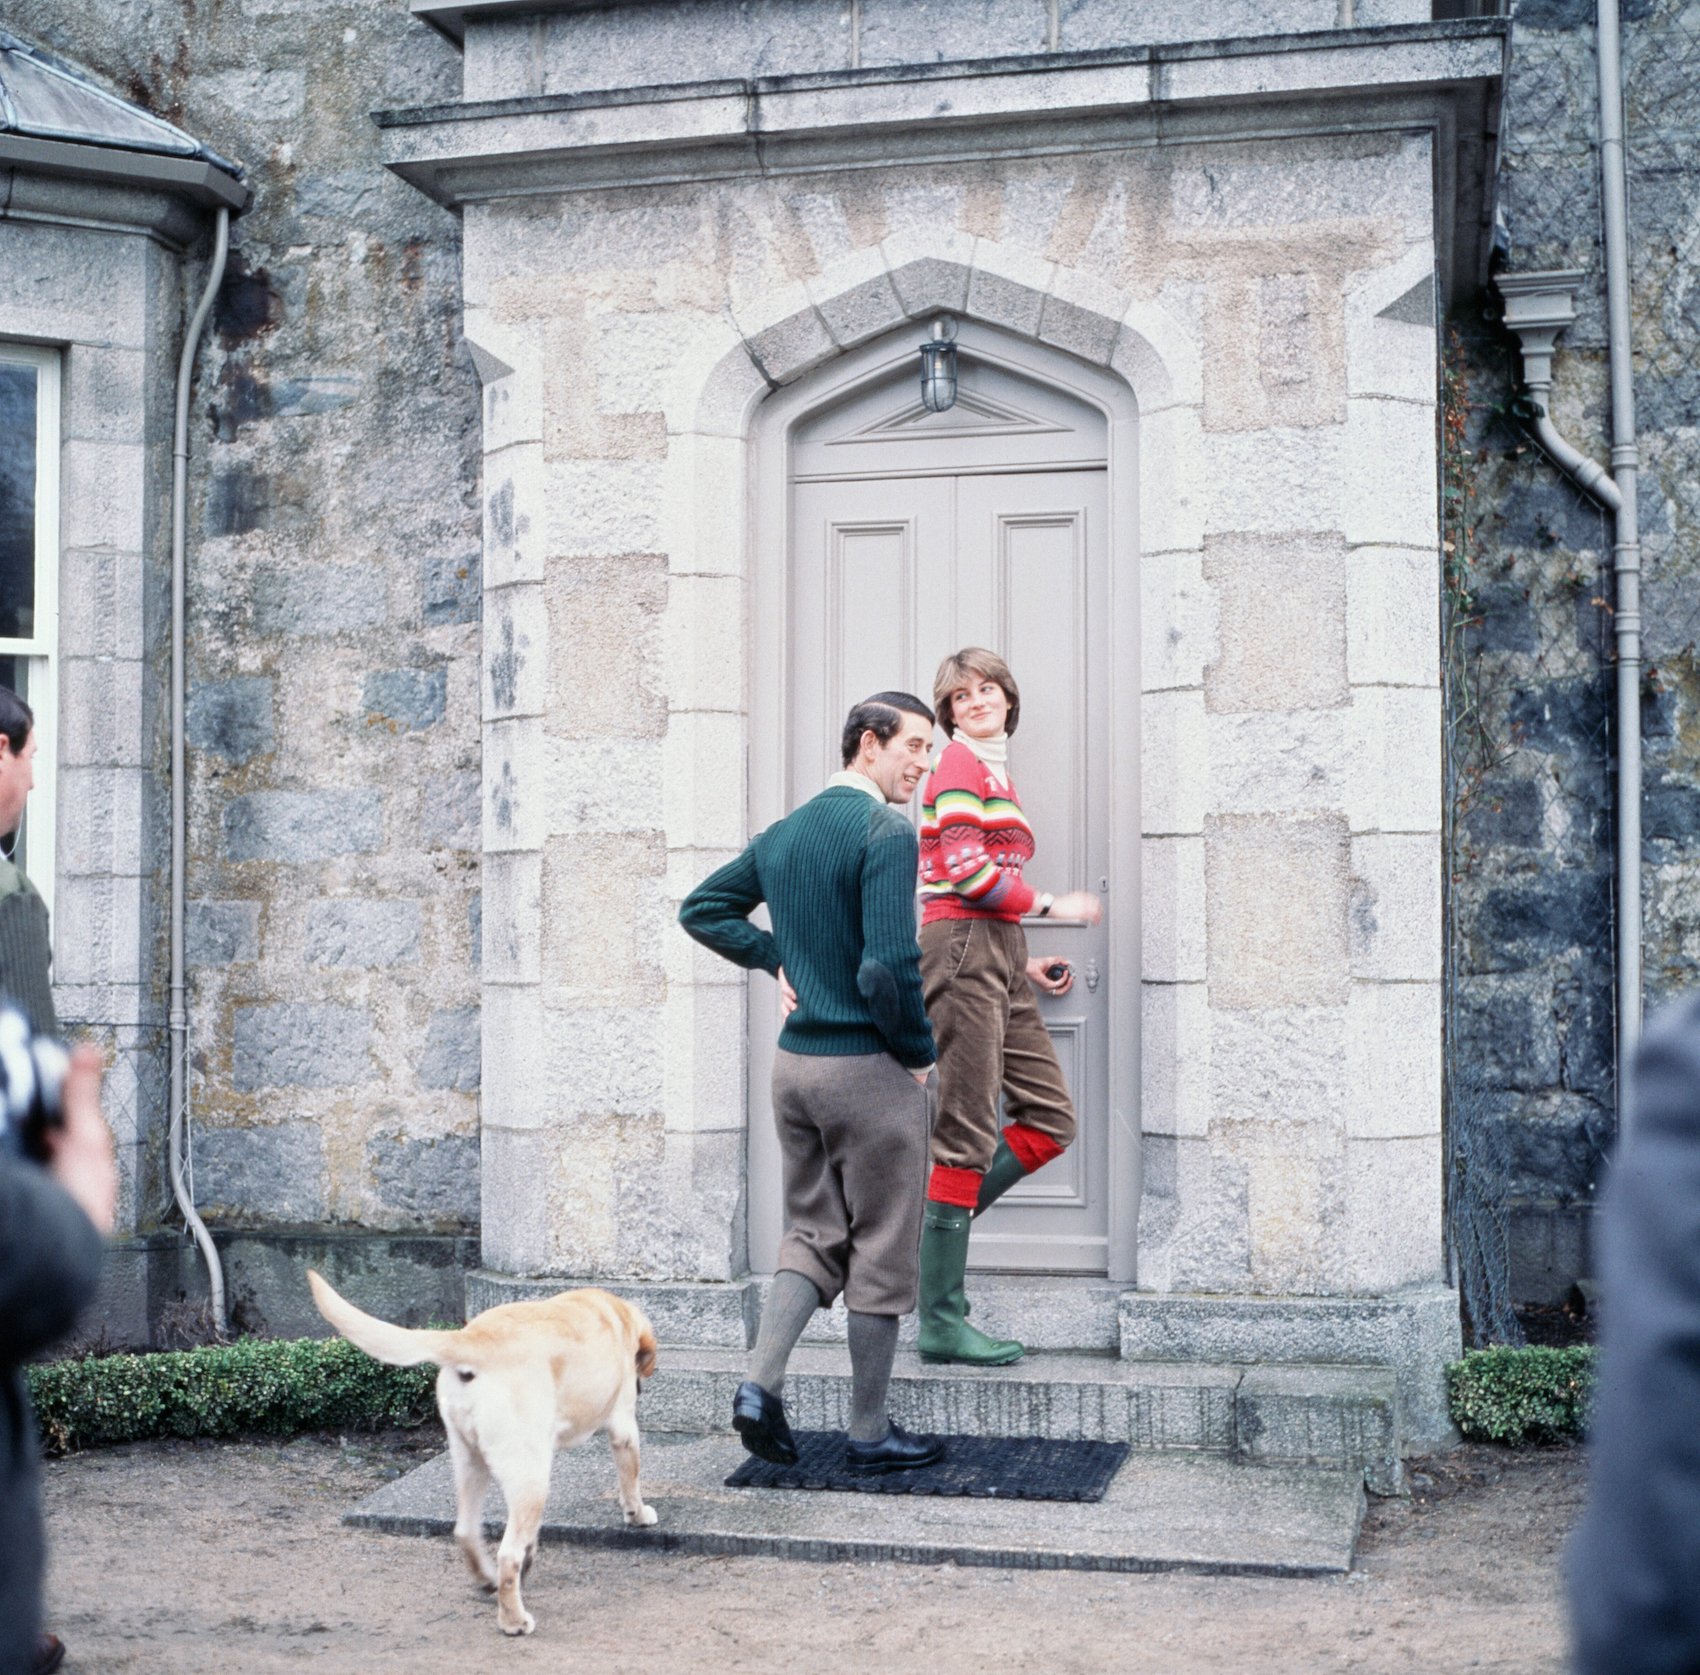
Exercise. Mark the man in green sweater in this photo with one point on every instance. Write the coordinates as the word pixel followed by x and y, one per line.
pixel 851 1097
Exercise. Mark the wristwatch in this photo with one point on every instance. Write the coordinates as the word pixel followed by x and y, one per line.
pixel 1046 901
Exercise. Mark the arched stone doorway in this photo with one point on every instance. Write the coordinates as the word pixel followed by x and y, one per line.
pixel 885 537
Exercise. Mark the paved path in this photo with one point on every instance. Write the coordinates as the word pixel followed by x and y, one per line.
pixel 1161 1512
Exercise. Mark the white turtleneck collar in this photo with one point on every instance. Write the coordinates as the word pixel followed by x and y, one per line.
pixel 859 782
pixel 993 752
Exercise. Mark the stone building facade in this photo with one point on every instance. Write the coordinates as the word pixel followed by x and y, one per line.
pixel 487 657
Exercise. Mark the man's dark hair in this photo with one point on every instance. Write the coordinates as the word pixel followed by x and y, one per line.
pixel 16 718
pixel 880 715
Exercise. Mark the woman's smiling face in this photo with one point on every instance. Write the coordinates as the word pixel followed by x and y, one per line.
pixel 979 707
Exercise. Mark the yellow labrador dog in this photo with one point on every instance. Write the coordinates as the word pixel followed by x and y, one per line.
pixel 517 1382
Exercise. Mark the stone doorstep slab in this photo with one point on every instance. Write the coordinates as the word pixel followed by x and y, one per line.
pixel 1332 1416
pixel 1161 1513
pixel 1045 1311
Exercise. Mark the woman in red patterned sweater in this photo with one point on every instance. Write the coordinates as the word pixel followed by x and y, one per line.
pixel 979 981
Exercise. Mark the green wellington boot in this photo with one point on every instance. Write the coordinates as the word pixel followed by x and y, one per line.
pixel 945 1334
pixel 1005 1171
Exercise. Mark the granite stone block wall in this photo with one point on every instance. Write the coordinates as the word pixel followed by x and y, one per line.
pixel 1535 869
pixel 333 626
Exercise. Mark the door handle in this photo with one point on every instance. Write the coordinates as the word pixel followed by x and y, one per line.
pixel 1092 976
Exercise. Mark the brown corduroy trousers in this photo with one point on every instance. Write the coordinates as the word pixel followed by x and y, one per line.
pixel 991 1041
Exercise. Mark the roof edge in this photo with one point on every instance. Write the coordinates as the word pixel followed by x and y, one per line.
pixel 197 179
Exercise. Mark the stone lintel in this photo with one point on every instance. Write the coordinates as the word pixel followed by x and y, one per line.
pixel 1444 77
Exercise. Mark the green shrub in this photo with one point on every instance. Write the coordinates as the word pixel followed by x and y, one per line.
pixel 1534 1394
pixel 279 1387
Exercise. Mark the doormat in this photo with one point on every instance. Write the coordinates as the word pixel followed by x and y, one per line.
pixel 1000 1468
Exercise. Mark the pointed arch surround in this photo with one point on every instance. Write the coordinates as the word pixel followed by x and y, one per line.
pixel 734 403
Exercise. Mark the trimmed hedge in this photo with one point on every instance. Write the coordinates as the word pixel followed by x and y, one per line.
pixel 1505 1395
pixel 1533 1394
pixel 224 1390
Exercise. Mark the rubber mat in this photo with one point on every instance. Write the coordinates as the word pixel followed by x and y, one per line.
pixel 1002 1468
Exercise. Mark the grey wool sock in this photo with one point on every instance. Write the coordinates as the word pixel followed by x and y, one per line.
pixel 873 1346
pixel 790 1302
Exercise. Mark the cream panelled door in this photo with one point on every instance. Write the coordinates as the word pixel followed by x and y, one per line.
pixel 887 574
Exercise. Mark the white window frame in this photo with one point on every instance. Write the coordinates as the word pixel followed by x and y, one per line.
pixel 41 649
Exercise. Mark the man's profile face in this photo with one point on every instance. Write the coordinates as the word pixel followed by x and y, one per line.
pixel 17 776
pixel 898 766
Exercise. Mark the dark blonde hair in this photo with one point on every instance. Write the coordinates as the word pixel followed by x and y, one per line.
pixel 971 663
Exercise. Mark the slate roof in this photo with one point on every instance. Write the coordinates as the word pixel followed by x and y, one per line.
pixel 44 98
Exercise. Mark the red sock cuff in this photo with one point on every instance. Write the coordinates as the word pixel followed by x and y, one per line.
pixel 1033 1149
pixel 960 1187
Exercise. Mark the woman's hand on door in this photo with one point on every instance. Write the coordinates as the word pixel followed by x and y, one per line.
pixel 1039 970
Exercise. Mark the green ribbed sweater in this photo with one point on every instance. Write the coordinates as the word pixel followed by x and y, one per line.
pixel 838 876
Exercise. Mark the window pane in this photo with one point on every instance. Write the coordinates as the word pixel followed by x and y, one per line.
pixel 17 500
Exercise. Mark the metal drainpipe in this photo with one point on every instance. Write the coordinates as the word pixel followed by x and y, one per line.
pixel 1625 464
pixel 179 1017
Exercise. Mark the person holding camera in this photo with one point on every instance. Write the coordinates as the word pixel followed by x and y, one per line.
pixel 58 1192
pixel 58 1196
pixel 979 977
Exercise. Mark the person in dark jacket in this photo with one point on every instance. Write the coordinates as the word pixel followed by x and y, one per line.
pixel 1634 1563
pixel 53 1213
pixel 53 1218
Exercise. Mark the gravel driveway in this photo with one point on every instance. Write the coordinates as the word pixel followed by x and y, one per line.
pixel 184 1556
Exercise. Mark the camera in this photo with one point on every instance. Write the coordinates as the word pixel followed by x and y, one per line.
pixel 32 1085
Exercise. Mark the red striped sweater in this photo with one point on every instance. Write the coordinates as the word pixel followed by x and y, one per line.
pixel 974 842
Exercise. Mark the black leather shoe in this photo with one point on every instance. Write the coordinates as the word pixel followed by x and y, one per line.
pixel 49 1654
pixel 898 1452
pixel 758 1417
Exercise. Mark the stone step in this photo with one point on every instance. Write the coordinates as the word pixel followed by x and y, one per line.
pixel 1197 1512
pixel 1334 1416
pixel 1044 1311
pixel 1413 1330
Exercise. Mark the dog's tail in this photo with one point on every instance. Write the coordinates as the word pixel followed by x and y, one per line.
pixel 400 1346
pixel 645 1348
